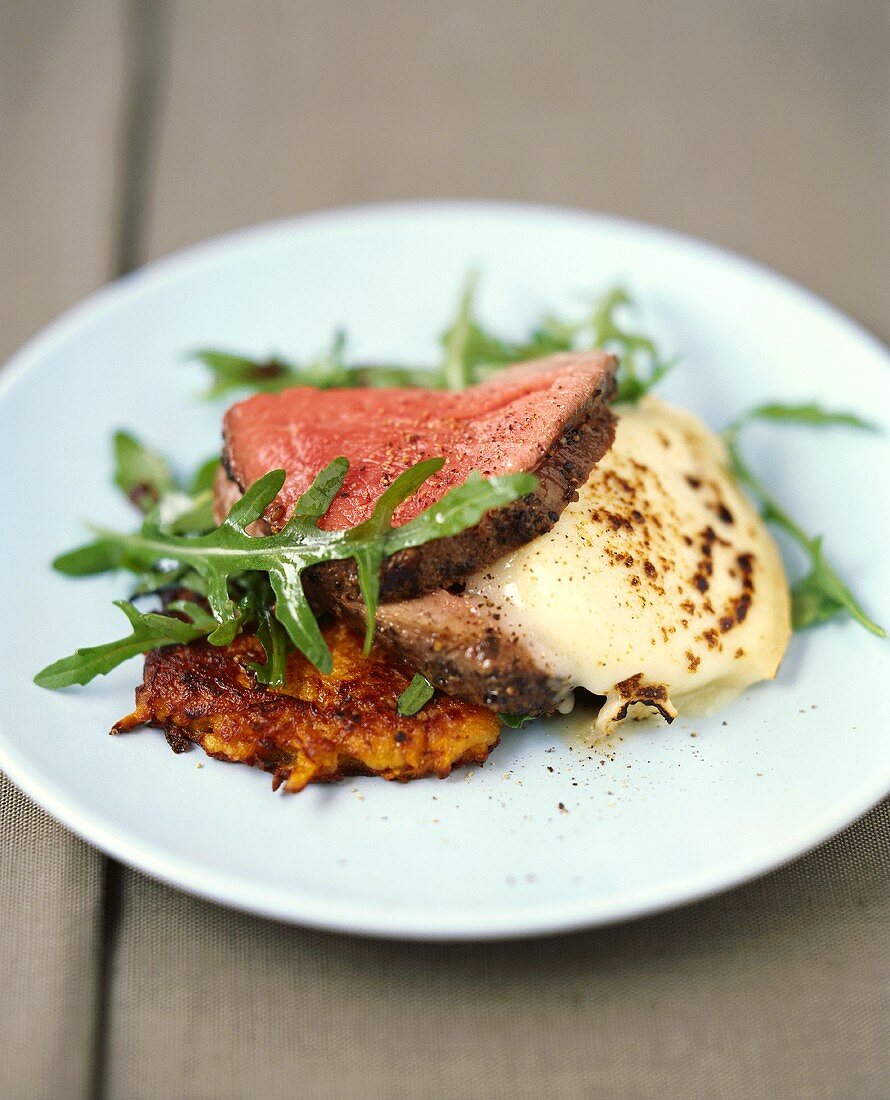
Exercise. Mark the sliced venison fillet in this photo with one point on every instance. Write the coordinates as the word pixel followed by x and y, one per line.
pixel 461 644
pixel 548 416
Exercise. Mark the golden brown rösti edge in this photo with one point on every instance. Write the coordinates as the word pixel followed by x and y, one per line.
pixel 315 728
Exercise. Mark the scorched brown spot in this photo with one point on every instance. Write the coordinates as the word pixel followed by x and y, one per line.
pixel 633 691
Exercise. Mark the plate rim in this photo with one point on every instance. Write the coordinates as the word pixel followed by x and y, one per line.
pixel 414 924
pixel 405 922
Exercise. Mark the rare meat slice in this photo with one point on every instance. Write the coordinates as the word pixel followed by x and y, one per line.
pixel 549 416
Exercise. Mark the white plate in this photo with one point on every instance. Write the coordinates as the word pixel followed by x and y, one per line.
pixel 665 816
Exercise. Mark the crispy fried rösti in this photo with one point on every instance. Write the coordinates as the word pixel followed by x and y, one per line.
pixel 315 728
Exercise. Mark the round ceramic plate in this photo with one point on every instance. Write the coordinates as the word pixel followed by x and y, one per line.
pixel 656 817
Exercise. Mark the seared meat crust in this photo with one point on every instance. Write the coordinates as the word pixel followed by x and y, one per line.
pixel 460 644
pixel 314 729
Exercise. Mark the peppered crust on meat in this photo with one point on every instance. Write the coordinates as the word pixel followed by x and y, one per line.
pixel 460 643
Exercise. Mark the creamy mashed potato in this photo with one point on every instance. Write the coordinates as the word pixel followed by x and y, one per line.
pixel 660 588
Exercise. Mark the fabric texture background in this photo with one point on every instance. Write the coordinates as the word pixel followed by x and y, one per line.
pixel 133 127
pixel 780 988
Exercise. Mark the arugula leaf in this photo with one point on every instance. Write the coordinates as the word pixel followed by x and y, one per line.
pixel 474 353
pixel 147 480
pixel 274 640
pixel 196 612
pixel 514 721
pixel 232 372
pixel 204 477
pixel 809 413
pixel 148 582
pixel 272 636
pixel 641 366
pixel 378 528
pixel 184 514
pixel 415 696
pixel 222 555
pixel 471 353
pixel 460 508
pixel 820 594
pixel 272 377
pixel 150 630
pixel 456 370
pixel 380 376
pixel 143 475
pixel 329 371
pixel 89 560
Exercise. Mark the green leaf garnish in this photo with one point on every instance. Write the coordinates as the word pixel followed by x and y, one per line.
pixel 415 696
pixel 143 475
pixel 474 353
pixel 809 413
pixel 147 480
pixel 641 367
pixel 204 477
pixel 471 353
pixel 232 372
pixel 183 514
pixel 456 369
pixel 220 557
pixel 150 631
pixel 373 377
pixel 89 560
pixel 514 721
pixel 197 613
pixel 821 594
pixel 259 603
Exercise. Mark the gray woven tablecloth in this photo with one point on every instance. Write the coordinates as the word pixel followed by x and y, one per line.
pixel 130 128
